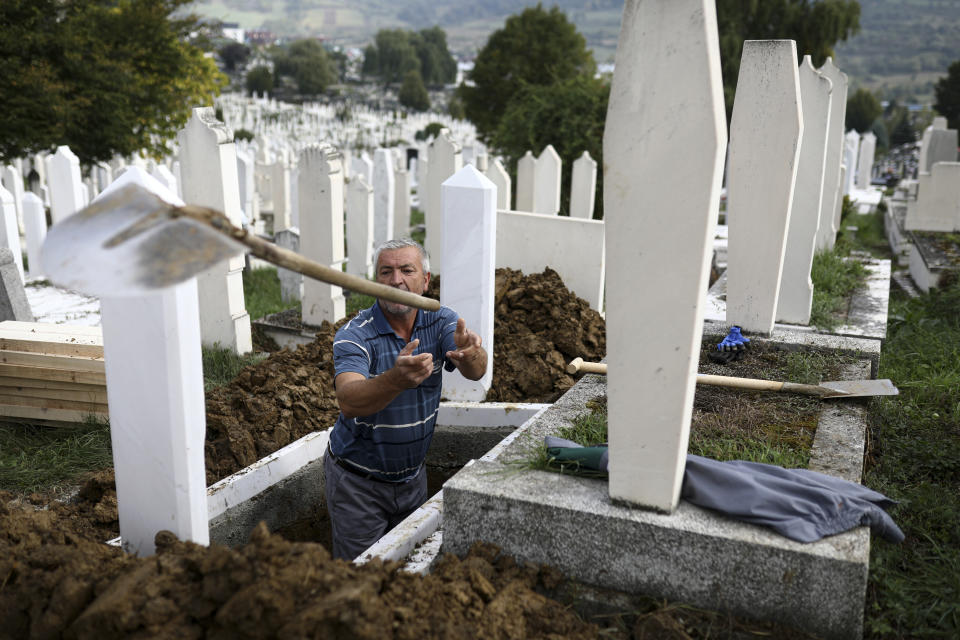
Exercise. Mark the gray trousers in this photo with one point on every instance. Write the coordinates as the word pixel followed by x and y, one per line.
pixel 363 510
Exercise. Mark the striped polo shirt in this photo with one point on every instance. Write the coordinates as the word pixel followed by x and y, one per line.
pixel 392 443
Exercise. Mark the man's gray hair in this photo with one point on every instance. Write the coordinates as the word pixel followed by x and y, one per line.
pixel 402 243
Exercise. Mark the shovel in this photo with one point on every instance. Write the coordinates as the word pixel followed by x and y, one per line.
pixel 132 241
pixel 836 389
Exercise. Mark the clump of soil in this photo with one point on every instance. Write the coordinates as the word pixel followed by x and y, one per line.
pixel 57 584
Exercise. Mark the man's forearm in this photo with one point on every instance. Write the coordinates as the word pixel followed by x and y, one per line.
pixel 366 396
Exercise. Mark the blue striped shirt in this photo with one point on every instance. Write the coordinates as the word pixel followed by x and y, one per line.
pixel 392 443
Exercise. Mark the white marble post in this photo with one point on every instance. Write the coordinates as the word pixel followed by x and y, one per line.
pixel 583 187
pixel 939 122
pixel 526 182
pixel 851 148
pixel 868 147
pixel 401 204
pixel 796 287
pixel 359 228
pixel 248 194
pixel 157 412
pixel 940 147
pixel 9 231
pixel 65 184
pixel 321 226
pixel 765 135
pixel 501 179
pixel 384 196
pixel 35 230
pixel 208 177
pixel 664 100
pixel 280 192
pixel 362 166
pixel 546 187
pixel 444 160
pixel 938 201
pixel 469 248
pixel 12 179
pixel 832 199
pixel 291 282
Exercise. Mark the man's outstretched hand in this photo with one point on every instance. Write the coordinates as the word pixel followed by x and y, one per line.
pixel 413 369
pixel 469 357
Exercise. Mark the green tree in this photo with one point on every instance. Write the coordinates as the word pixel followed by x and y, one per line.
pixel 396 55
pixel 104 77
pixel 413 94
pixel 437 66
pixel 862 109
pixel 816 26
pixel 233 54
pixel 259 80
pixel 396 52
pixel 307 63
pixel 947 91
pixel 569 114
pixel 535 47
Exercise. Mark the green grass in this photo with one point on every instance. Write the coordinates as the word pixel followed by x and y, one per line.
pixel 417 218
pixel 221 365
pixel 261 293
pixel 835 278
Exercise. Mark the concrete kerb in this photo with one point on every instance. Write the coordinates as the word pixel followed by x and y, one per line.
pixel 693 555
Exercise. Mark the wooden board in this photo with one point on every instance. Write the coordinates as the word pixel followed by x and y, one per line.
pixel 67 346
pixel 31 372
pixel 10 381
pixel 47 403
pixel 68 363
pixel 53 417
pixel 94 394
pixel 48 328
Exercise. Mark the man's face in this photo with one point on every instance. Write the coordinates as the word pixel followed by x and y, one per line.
pixel 401 269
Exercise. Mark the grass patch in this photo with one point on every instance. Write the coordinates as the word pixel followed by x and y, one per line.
pixel 221 365
pixel 48 459
pixel 869 235
pixel 261 293
pixel 417 218
pixel 914 457
pixel 835 278
pixel 358 301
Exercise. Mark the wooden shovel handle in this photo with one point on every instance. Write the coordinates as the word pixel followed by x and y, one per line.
pixel 295 262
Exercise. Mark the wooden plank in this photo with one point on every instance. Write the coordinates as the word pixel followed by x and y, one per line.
pixel 47 403
pixel 53 417
pixel 68 363
pixel 47 328
pixel 85 395
pixel 10 381
pixel 46 373
pixel 62 346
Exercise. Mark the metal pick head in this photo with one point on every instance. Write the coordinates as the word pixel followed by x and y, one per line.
pixel 131 242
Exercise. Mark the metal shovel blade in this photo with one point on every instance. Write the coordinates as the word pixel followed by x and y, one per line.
pixel 854 388
pixel 128 243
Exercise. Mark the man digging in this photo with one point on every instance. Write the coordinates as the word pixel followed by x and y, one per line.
pixel 388 361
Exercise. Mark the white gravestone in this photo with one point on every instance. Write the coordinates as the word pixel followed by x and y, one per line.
pixel 248 194
pixel 65 184
pixel 664 100
pixel 157 412
pixel 165 177
pixel 765 135
pixel 938 201
pixel 851 148
pixel 35 230
pixel 939 122
pixel 583 187
pixel 941 147
pixel 13 181
pixel 444 160
pixel 469 248
pixel 9 232
pixel 501 179
pixel 796 287
pixel 384 196
pixel 291 282
pixel 526 182
pixel 546 182
pixel 362 166
pixel 321 220
pixel 868 147
pixel 359 228
pixel 280 192
pixel 401 204
pixel 832 198
pixel 208 177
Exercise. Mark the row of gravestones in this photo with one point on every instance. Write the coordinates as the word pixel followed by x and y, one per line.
pixel 933 199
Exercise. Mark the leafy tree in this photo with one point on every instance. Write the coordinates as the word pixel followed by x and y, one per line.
pixel 879 129
pixel 947 91
pixel 902 132
pixel 307 63
pixel 412 93
pixel 105 77
pixel 397 52
pixel 432 130
pixel 535 47
pixel 233 54
pixel 816 26
pixel 437 66
pixel 862 109
pixel 569 114
pixel 259 80
pixel 396 55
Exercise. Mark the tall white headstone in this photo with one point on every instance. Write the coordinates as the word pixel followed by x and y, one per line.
pixel 359 228
pixel 384 196
pixel 851 148
pixel 208 177
pixel 583 187
pixel 321 220
pixel 280 190
pixel 9 232
pixel 765 136
pixel 664 100
pixel 501 179
pixel 248 194
pixel 941 147
pixel 401 204
pixel 832 199
pixel 546 182
pixel 35 230
pixel 65 184
pixel 938 201
pixel 796 287
pixel 12 179
pixel 868 147
pixel 469 248
pixel 444 161
pixel 526 181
